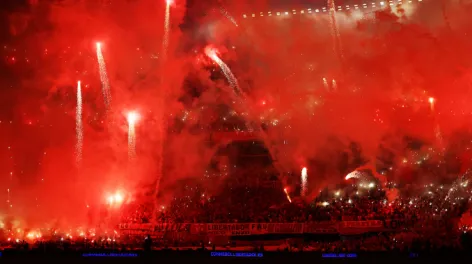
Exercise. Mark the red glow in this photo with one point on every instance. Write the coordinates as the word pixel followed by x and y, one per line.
pixel 211 52
pixel 304 92
pixel 132 117
pixel 115 199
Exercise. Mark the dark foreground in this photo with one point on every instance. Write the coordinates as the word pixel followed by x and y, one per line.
pixel 203 256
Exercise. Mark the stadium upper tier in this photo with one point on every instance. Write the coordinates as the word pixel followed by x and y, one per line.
pixel 317 8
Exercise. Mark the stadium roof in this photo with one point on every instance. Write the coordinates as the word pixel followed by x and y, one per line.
pixel 287 4
pixel 286 7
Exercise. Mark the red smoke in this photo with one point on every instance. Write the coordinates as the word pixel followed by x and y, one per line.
pixel 318 98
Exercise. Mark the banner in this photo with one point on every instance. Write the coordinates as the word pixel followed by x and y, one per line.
pixel 288 228
pixel 259 228
pixel 246 229
pixel 229 229
pixel 359 227
pixel 154 229
pixel 361 224
pixel 320 228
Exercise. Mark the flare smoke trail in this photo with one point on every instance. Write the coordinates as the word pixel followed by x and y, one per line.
pixel 325 84
pixel 241 98
pixel 304 181
pixel 162 98
pixel 334 84
pixel 233 82
pixel 287 195
pixel 228 16
pixel 104 77
pixel 78 126
pixel 334 30
pixel 165 41
pixel 354 175
pixel 431 103
pixel 437 129
pixel 132 118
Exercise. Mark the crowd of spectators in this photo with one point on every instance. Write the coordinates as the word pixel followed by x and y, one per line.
pixel 433 212
pixel 270 205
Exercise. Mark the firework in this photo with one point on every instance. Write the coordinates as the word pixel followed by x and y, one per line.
pixel 287 195
pixel 115 199
pixel 212 54
pixel 162 100
pixel 325 84
pixel 8 196
pixel 334 84
pixel 334 30
pixel 431 101
pixel 354 175
pixel 103 77
pixel 78 125
pixel 159 160
pixel 240 97
pixel 165 41
pixel 304 179
pixel 437 129
pixel 132 119
pixel 228 16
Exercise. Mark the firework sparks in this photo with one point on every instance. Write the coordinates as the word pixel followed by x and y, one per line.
pixel 334 30
pixel 431 101
pixel 103 77
pixel 437 128
pixel 161 119
pixel 225 13
pixel 8 196
pixel 240 97
pixel 116 199
pixel 304 181
pixel 325 84
pixel 132 119
pixel 78 125
pixel 334 84
pixel 354 175
pixel 165 41
pixel 212 54
pixel 288 196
